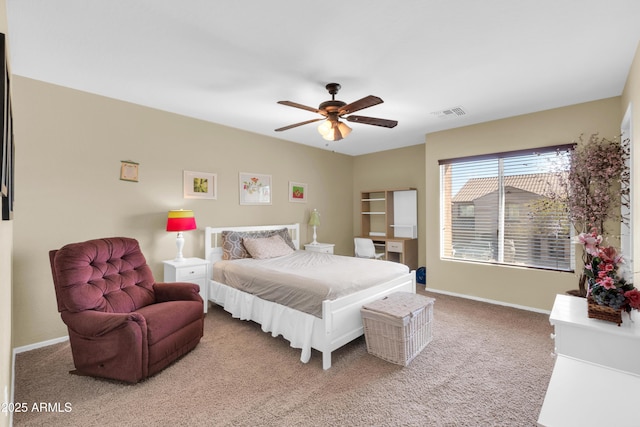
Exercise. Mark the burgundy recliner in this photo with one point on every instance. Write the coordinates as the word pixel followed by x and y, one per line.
pixel 122 325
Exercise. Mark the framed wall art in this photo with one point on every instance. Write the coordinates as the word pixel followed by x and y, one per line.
pixel 200 185
pixel 297 192
pixel 255 189
pixel 7 149
pixel 129 171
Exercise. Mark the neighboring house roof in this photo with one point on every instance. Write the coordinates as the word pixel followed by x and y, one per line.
pixel 538 183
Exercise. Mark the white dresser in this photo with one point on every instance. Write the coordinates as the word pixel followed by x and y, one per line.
pixel 594 359
pixel 577 393
pixel 594 340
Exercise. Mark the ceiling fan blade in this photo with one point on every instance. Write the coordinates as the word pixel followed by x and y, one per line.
pixel 372 121
pixel 299 124
pixel 296 105
pixel 366 102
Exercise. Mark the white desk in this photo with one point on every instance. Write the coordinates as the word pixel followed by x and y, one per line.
pixel 594 340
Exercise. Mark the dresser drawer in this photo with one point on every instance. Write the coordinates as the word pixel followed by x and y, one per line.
pixel 186 274
pixel 394 247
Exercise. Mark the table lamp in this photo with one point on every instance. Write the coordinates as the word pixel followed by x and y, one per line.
pixel 314 221
pixel 180 220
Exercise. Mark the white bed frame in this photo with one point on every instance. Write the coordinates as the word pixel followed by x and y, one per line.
pixel 341 320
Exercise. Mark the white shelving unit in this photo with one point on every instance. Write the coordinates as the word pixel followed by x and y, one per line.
pixel 389 218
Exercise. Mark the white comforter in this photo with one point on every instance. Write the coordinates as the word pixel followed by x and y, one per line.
pixel 303 279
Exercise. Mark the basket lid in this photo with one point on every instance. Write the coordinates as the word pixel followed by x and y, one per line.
pixel 400 304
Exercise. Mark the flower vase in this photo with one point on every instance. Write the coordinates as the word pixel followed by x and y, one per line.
pixel 603 312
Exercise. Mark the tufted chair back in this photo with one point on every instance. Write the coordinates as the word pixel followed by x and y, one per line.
pixel 109 275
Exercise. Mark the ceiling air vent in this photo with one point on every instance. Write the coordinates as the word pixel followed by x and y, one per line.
pixel 450 113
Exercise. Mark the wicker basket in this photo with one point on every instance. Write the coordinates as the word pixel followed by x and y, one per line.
pixel 398 327
pixel 602 312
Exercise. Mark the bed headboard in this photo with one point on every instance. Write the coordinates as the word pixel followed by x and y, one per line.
pixel 213 237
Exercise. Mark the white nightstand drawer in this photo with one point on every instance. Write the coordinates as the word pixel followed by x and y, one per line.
pixel 394 247
pixel 190 273
pixel 325 248
pixel 189 270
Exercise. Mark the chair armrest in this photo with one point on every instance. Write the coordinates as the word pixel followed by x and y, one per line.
pixel 177 291
pixel 91 323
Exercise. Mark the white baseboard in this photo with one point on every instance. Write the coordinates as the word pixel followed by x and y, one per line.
pixel 40 344
pixel 22 349
pixel 490 301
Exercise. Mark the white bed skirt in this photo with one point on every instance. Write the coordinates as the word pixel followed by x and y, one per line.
pixel 274 318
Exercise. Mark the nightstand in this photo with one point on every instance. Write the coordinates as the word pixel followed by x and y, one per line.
pixel 326 248
pixel 191 270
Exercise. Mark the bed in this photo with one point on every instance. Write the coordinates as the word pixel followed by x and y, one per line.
pixel 337 319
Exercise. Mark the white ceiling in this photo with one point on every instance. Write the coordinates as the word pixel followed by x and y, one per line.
pixel 229 62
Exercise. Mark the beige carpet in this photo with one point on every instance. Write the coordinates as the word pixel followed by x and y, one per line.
pixel 486 366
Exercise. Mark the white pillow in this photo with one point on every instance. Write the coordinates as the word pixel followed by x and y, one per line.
pixel 267 247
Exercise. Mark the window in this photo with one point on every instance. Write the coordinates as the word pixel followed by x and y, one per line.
pixel 499 209
pixel 465 210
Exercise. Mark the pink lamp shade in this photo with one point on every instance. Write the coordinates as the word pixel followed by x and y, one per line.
pixel 181 220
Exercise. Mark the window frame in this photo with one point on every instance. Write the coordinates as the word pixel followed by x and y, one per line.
pixel 447 235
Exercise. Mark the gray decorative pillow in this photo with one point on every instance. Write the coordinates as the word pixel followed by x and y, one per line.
pixel 284 233
pixel 232 247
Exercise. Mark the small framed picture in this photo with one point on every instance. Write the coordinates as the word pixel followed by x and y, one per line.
pixel 297 192
pixel 255 189
pixel 129 171
pixel 200 185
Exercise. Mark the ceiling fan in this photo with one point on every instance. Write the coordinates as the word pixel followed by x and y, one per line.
pixel 332 129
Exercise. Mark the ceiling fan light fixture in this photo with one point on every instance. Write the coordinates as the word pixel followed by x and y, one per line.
pixel 334 130
pixel 344 129
pixel 333 135
pixel 325 127
pixel 331 128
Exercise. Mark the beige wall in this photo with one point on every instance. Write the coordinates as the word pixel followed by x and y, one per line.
pixel 525 287
pixel 68 188
pixel 631 97
pixel 6 239
pixel 399 168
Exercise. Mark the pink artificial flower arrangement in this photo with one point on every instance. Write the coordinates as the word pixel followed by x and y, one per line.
pixel 607 284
